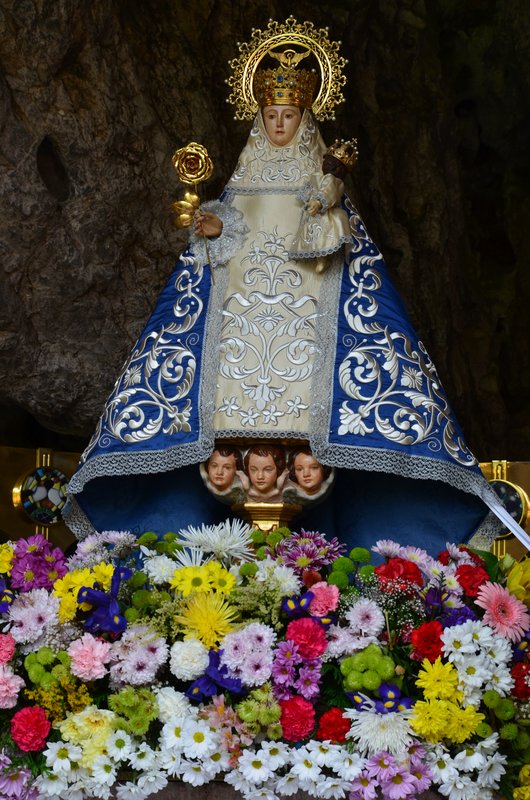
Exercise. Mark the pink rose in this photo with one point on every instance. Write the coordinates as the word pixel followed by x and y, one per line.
pixel 10 686
pixel 326 599
pixel 7 647
pixel 89 656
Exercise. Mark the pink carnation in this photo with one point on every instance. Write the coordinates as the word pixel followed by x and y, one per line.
pixel 326 598
pixel 10 686
pixel 7 647
pixel 308 635
pixel 89 656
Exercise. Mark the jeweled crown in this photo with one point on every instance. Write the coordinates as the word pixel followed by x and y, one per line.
pixel 345 152
pixel 285 87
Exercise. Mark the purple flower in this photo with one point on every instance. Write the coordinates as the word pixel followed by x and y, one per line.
pixel 6 597
pixel 381 766
pixel 287 653
pixel 216 676
pixel 308 683
pixel 297 606
pixel 36 564
pixel 107 615
pixel 283 672
pixel 399 786
pixel 457 616
pixel 363 788
pixel 307 550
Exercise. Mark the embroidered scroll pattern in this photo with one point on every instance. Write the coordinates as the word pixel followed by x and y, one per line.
pixel 392 385
pixel 267 345
pixel 155 391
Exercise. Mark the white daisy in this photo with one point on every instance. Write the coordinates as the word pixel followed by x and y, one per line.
pixel 492 771
pixel 305 767
pixel 322 752
pixel 441 764
pixel 174 734
pixel 60 755
pixel 501 680
pixel 130 791
pixel 201 740
pixel 237 780
pixel 50 784
pixel 488 746
pixel 287 785
pixel 346 765
pixel 143 757
pixel 387 548
pixel 263 793
pixel 277 753
pixel 333 788
pixel 99 790
pixel 170 761
pixel 218 761
pixel 104 770
pixel 373 732
pixel 255 766
pixel 152 781
pixel 119 745
pixel 469 759
pixel 458 787
pixel 194 773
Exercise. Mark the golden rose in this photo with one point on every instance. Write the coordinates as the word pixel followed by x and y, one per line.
pixel 192 163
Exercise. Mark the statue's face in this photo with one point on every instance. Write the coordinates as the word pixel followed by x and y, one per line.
pixel 221 470
pixel 262 472
pixel 308 471
pixel 281 123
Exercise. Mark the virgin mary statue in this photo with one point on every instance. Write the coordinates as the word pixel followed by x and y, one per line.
pixel 248 342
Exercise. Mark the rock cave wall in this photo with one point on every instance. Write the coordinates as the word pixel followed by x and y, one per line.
pixel 94 99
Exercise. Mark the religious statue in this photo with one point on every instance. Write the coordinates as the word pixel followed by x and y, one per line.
pixel 256 339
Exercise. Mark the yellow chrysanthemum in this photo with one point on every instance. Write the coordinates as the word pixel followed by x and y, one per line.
pixel 72 581
pixel 439 681
pixel 220 578
pixel 429 719
pixel 188 580
pixel 524 775
pixel 68 608
pixel 206 617
pixel 103 575
pixel 518 580
pixel 523 793
pixel 6 559
pixel 462 723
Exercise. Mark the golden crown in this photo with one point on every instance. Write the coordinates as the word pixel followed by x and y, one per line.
pixel 285 86
pixel 247 80
pixel 345 152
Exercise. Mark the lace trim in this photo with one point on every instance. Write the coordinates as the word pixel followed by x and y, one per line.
pixel 322 199
pixel 76 519
pixel 318 253
pixel 486 533
pixel 219 251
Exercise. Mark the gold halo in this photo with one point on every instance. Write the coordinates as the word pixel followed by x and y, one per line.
pixel 291 32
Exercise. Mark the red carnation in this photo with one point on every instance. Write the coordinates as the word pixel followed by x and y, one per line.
pixel 30 728
pixel 426 641
pixel 333 726
pixel 521 675
pixel 297 718
pixel 399 569
pixel 471 579
pixel 309 636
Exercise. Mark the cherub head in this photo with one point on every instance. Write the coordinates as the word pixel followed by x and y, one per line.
pixel 263 465
pixel 306 471
pixel 222 466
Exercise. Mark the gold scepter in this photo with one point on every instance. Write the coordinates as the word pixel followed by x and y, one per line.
pixel 193 165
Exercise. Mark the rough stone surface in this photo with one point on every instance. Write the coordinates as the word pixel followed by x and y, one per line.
pixel 94 99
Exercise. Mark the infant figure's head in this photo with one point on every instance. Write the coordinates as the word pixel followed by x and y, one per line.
pixel 340 158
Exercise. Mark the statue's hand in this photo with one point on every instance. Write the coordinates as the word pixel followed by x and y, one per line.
pixel 313 207
pixel 207 224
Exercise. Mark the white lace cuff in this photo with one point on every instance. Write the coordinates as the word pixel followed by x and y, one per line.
pixel 220 250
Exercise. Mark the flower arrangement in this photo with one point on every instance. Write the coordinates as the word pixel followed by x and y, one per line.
pixel 275 662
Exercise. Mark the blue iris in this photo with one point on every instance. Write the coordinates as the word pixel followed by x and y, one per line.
pixel 106 614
